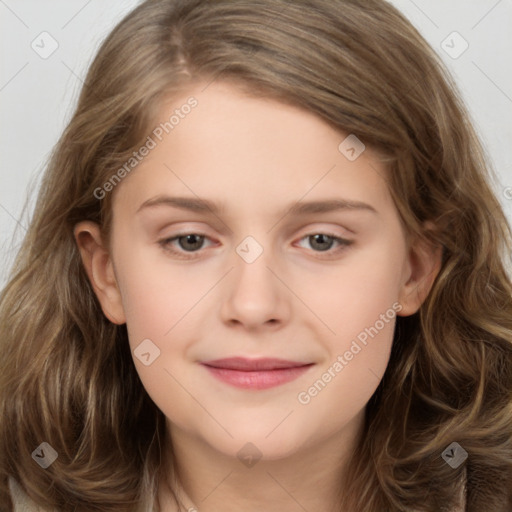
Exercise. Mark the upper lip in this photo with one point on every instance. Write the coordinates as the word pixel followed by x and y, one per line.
pixel 251 365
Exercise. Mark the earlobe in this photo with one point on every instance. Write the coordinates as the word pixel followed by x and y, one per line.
pixel 424 260
pixel 99 268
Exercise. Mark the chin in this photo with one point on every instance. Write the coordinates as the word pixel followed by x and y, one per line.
pixel 254 440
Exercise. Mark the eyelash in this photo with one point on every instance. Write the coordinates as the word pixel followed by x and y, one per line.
pixel 189 255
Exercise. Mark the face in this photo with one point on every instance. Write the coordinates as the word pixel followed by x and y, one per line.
pixel 247 233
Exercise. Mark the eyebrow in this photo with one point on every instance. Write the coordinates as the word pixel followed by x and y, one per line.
pixel 299 208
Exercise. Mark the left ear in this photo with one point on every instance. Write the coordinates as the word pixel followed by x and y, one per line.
pixel 424 263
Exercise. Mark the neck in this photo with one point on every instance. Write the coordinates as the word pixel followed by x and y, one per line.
pixel 310 478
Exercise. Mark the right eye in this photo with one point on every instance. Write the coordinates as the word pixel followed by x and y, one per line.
pixel 187 243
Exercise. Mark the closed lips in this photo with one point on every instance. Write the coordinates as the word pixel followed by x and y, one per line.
pixel 254 365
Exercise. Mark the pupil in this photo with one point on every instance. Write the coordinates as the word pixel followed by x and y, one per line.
pixel 323 238
pixel 190 240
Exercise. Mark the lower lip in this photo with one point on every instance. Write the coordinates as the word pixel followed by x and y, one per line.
pixel 262 379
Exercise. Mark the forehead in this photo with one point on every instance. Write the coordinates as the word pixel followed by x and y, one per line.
pixel 254 151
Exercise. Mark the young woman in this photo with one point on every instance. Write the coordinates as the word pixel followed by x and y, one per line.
pixel 266 271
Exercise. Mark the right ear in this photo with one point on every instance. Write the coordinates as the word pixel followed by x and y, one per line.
pixel 98 265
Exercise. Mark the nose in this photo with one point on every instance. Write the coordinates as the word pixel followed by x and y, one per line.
pixel 255 296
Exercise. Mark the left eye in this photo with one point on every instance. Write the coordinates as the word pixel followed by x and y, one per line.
pixel 324 241
pixel 191 242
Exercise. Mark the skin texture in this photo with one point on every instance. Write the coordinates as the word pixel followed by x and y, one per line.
pixel 257 157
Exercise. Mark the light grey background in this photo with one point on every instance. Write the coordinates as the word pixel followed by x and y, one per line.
pixel 37 94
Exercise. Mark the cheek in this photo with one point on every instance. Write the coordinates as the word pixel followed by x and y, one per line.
pixel 353 295
pixel 159 300
pixel 359 304
pixel 158 295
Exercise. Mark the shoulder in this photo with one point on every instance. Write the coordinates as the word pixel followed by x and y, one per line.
pixel 22 503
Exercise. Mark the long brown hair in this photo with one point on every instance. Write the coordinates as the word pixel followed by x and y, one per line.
pixel 67 377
